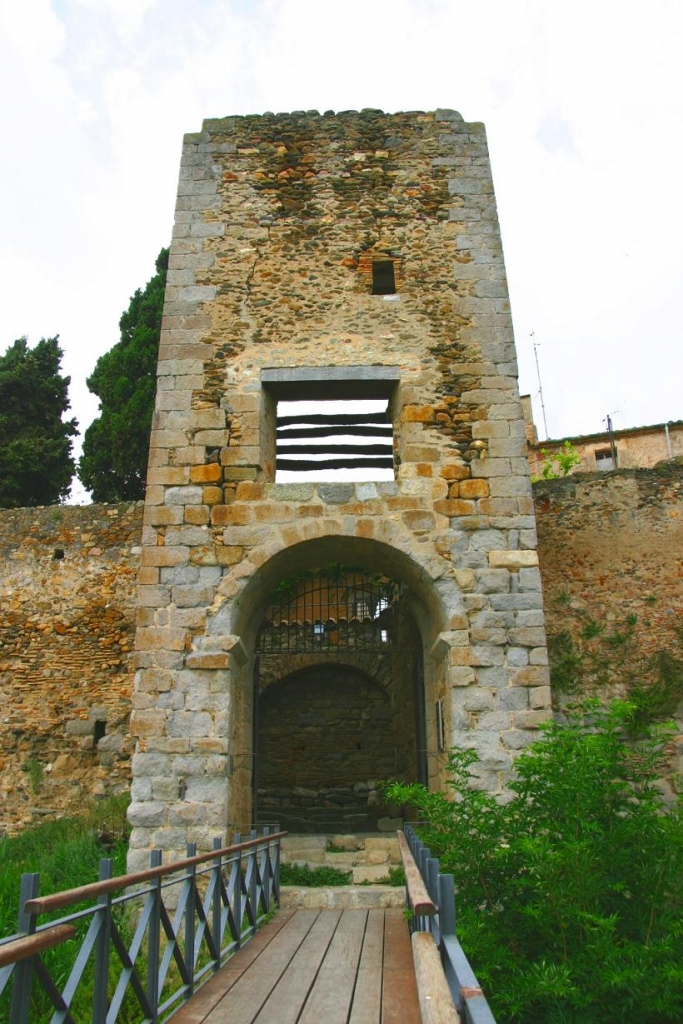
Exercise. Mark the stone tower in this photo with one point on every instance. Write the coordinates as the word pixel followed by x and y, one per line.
pixel 303 634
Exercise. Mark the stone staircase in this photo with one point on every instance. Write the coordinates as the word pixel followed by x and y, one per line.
pixel 368 858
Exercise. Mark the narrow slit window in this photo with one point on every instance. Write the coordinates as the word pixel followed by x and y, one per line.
pixel 383 279
pixel 440 726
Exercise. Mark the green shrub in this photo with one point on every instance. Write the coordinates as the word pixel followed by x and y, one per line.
pixel 298 874
pixel 569 896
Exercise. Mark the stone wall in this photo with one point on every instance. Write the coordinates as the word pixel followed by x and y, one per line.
pixel 611 542
pixel 611 545
pixel 67 619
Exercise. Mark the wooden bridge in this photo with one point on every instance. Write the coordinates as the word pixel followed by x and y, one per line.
pixel 180 942
pixel 308 966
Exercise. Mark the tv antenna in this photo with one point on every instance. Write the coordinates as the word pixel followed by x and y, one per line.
pixel 610 434
pixel 540 386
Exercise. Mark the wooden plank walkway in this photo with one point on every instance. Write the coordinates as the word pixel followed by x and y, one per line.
pixel 314 966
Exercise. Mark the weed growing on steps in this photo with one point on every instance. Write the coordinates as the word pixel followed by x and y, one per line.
pixel 298 874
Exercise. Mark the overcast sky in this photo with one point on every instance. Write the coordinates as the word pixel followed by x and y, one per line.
pixel 583 104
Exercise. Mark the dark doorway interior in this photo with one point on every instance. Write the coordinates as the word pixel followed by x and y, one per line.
pixel 340 705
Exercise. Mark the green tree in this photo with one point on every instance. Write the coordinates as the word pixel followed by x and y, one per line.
pixel 36 466
pixel 116 445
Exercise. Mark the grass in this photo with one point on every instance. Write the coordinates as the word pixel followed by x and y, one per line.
pixel 66 854
pixel 297 874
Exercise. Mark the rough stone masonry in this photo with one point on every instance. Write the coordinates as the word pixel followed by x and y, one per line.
pixel 281 224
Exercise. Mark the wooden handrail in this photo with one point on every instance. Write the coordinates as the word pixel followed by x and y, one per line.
pixel 436 1001
pixel 420 901
pixel 29 945
pixel 60 900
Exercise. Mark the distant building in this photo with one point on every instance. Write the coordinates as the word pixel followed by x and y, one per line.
pixel 630 448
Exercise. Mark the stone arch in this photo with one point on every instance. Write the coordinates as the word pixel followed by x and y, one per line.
pixel 432 601
pixel 426 576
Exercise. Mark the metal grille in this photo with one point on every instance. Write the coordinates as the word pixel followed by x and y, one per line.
pixel 327 612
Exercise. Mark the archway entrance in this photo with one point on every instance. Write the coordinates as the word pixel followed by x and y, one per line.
pixel 339 701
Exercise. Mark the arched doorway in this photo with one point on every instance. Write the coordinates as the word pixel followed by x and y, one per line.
pixel 339 700
pixel 410 663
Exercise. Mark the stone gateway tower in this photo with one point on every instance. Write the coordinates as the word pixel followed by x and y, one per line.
pixel 339 574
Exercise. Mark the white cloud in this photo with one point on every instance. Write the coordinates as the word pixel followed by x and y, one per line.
pixel 582 102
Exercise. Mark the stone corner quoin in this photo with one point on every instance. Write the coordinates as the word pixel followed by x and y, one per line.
pixel 286 229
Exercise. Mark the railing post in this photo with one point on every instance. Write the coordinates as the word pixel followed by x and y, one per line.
pixel 23 971
pixel 276 867
pixel 265 870
pixel 154 937
pixel 253 878
pixel 446 905
pixel 102 946
pixel 236 870
pixel 190 911
pixel 216 905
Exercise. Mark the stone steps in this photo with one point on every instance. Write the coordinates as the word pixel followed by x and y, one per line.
pixel 367 857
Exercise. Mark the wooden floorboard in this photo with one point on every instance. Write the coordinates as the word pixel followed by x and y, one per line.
pixel 197 1009
pixel 332 993
pixel 251 990
pixel 367 997
pixel 286 1001
pixel 315 967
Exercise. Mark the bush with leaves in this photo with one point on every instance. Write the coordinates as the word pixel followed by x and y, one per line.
pixel 569 896
pixel 559 462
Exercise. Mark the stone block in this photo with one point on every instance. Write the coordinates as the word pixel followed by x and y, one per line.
pixel 149 814
pixel 473 489
pixel 154 596
pixel 462 675
pixel 514 698
pixel 231 515
pixel 418 414
pixel 540 697
pixel 197 515
pixel 528 636
pixel 162 638
pixel 183 496
pixel 531 719
pixel 454 507
pixel 518 559
pixel 454 471
pixel 530 675
pixel 212 495
pixel 210 473
pixel 151 722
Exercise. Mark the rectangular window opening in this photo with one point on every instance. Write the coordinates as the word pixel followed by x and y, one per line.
pixel 605 459
pixel 342 440
pixel 383 279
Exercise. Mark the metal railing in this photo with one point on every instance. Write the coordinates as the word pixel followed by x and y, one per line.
pixel 150 937
pixel 468 997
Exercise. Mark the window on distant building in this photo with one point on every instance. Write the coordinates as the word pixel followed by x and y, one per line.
pixel 605 459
